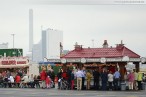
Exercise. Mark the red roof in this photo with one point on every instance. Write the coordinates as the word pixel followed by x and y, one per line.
pixel 101 52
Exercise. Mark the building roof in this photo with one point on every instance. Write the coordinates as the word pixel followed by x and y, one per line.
pixel 112 52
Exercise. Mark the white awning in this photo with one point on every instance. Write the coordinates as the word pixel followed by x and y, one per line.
pixel 15 66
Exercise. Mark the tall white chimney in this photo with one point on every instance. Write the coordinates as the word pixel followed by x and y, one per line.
pixel 30 29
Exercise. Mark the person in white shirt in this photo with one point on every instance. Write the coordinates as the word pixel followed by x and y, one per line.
pixel 110 80
pixel 11 81
pixel 79 74
pixel 25 80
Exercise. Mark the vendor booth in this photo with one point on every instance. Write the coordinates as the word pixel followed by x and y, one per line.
pixel 13 64
pixel 105 57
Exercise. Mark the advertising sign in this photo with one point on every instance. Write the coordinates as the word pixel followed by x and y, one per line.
pixel 13 60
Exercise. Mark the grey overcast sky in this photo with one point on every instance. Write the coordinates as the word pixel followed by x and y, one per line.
pixel 80 22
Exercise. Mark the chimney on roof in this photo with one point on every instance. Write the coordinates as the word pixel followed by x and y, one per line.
pixel 120 46
pixel 105 44
pixel 78 47
pixel 121 41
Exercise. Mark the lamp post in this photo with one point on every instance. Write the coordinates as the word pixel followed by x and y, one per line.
pixel 13 45
pixel 13 39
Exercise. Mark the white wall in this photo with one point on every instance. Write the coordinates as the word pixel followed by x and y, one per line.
pixel 37 53
pixel 53 43
pixel 34 69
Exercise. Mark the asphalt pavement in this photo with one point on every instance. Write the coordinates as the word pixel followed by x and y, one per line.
pixel 27 92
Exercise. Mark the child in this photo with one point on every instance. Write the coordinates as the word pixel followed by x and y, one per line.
pixel 48 82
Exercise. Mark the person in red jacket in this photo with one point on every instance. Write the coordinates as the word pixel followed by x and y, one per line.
pixel 64 75
pixel 43 76
pixel 17 80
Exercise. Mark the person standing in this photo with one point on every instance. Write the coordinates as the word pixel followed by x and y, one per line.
pixel 139 80
pixel 72 80
pixel 17 80
pixel 110 80
pixel 135 80
pixel 43 76
pixel 69 77
pixel 96 76
pixel 116 79
pixel 59 75
pixel 79 75
pixel 48 82
pixel 88 76
pixel 104 79
pixel 52 76
pixel 131 80
pixel 83 77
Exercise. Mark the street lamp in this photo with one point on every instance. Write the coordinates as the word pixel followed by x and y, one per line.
pixel 13 39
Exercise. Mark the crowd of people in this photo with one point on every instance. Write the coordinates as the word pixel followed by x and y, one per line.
pixel 20 79
pixel 79 78
pixel 103 80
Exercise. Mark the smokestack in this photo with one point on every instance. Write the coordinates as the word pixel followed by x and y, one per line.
pixel 30 29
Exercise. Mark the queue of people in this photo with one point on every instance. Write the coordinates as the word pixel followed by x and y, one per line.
pixel 104 80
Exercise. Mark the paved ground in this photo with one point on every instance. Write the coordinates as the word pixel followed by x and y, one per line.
pixel 15 92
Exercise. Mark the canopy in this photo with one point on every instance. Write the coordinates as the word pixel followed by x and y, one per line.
pixel 15 66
